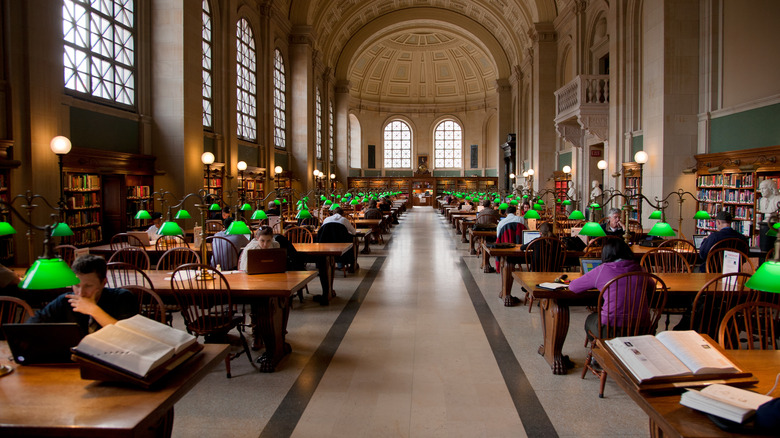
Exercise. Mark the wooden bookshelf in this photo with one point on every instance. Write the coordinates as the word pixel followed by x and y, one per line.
pixel 83 200
pixel 139 197
pixel 561 187
pixel 632 185
pixel 212 181
pixel 406 185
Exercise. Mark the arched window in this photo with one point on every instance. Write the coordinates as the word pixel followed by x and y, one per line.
pixel 99 48
pixel 318 123
pixel 398 145
pixel 206 65
pixel 280 101
pixel 246 82
pixel 447 145
pixel 330 131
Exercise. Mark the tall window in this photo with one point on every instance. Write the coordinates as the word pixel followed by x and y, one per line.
pixel 246 81
pixel 398 145
pixel 206 65
pixel 330 131
pixel 280 102
pixel 99 48
pixel 447 139
pixel 318 122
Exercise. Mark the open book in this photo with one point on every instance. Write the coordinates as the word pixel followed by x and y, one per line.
pixel 670 353
pixel 136 345
pixel 724 401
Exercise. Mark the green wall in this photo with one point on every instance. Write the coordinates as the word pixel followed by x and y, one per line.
pixel 93 130
pixel 209 145
pixel 281 160
pixel 248 154
pixel 398 173
pixel 372 172
pixel 750 129
pixel 637 144
pixel 473 173
pixel 446 173
pixel 564 159
pixel 354 172
pixel 491 172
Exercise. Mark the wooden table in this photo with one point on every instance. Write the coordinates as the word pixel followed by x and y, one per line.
pixel 55 401
pixel 554 306
pixel 270 296
pixel 329 251
pixel 668 418
pixel 478 234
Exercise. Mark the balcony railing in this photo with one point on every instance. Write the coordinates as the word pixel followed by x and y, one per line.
pixel 582 92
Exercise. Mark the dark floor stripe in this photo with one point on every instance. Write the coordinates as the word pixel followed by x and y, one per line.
pixel 530 410
pixel 289 412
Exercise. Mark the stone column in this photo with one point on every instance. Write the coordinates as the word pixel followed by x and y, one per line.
pixel 301 96
pixel 504 126
pixel 342 133
pixel 545 55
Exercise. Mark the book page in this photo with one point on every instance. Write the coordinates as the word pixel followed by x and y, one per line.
pixel 553 286
pixel 646 358
pixel 696 353
pixel 125 349
pixel 724 401
pixel 740 398
pixel 178 339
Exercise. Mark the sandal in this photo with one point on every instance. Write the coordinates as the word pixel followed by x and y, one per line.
pixel 510 301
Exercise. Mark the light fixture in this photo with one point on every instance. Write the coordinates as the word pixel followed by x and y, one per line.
pixel 316 173
pixel 303 214
pixel 6 229
pixel 602 164
pixel 577 215
pixel 655 215
pixel 259 215
pixel 532 214
pixel 765 278
pixel 334 206
pixel 595 206
pixel 246 207
pixel 241 166
pixel 703 215
pixel 170 228
pixel 511 176
pixel 214 207
pixel 566 202
pixel 278 170
pixel 592 229
pixel 531 172
pixel 207 158
pixel 503 206
pixel 143 214
pixel 238 227
pixel 641 157
pixel 51 273
pixel 354 201
pixel 332 176
pixel 525 174
pixel 61 146
pixel 566 169
pixel 661 229
pixel 61 229
pixel 182 214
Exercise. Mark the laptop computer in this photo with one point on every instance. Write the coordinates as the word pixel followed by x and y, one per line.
pixel 529 235
pixel 143 236
pixel 266 261
pixel 588 264
pixel 44 343
pixel 698 239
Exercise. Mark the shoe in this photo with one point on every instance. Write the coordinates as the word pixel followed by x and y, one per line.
pixel 322 299
pixel 510 301
pixel 490 270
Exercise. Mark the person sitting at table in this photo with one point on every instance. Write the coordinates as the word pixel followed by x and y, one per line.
pixel 384 204
pixel 524 207
pixel 91 305
pixel 338 216
pixel 724 231
pixel 545 230
pixel 613 225
pixel 467 206
pixel 155 227
pixel 372 212
pixel 510 218
pixel 264 239
pixel 487 210
pixel 617 259
pixel 222 255
pixel 273 210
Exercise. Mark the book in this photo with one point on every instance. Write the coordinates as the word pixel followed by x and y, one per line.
pixel 724 401
pixel 670 354
pixel 136 346
pixel 552 286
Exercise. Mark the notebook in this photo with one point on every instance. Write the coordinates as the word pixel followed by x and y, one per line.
pixel 44 343
pixel 698 239
pixel 587 264
pixel 143 236
pixel 529 235
pixel 266 261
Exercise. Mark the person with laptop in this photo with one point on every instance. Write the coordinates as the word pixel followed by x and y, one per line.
pixel 545 230
pixel 222 254
pixel 91 305
pixel 724 231
pixel 510 218
pixel 156 224
pixel 613 225
pixel 264 239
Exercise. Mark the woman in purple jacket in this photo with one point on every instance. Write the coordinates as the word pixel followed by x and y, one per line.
pixel 617 258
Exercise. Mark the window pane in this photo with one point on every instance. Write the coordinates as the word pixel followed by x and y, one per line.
pixel 206 64
pixel 280 103
pixel 398 145
pixel 318 123
pixel 447 145
pixel 246 78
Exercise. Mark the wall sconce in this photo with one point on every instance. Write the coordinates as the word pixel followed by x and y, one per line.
pixel 566 169
pixel 602 165
pixel 641 157
pixel 207 158
pixel 60 145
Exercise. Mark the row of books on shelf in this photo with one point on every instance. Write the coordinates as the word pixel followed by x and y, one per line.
pixel 83 182
pixel 82 218
pixel 213 182
pixel 743 196
pixel 138 192
pixel 632 181
pixel 739 180
pixel 711 195
pixel 740 212
pixel 83 200
pixel 84 236
pixel 743 226
pixel 709 181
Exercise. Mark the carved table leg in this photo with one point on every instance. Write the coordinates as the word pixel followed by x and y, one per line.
pixel 485 261
pixel 472 251
pixel 555 326
pixel 367 239
pixel 271 317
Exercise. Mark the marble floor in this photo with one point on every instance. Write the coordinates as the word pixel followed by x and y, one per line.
pixel 416 344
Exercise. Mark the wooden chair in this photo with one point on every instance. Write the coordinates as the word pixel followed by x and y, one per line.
pixel 67 252
pixel 545 254
pixel 639 290
pixel 770 254
pixel 684 247
pixel 175 257
pixel 714 262
pixel 13 311
pixel 716 298
pixel 223 252
pixel 204 296
pixel 751 326
pixel 733 243
pixel 595 246
pixel 164 243
pixel 124 274
pixel 150 304
pixel 213 226
pixel 309 222
pixel 665 261
pixel 299 235
pixel 124 240
pixel 133 255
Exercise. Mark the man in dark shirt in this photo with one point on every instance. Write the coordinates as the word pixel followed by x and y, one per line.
pixel 91 304
pixel 372 212
pixel 723 225
pixel 613 226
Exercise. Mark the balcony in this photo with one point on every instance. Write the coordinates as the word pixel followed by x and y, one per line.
pixel 583 105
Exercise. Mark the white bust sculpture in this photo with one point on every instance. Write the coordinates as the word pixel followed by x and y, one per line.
pixel 596 192
pixel 572 192
pixel 769 197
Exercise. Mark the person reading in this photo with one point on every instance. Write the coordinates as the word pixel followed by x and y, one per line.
pixel 613 225
pixel 338 217
pixel 264 239
pixel 724 231
pixel 222 253
pixel 91 305
pixel 155 227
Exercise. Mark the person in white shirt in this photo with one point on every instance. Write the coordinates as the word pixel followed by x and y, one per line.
pixel 511 217
pixel 156 224
pixel 264 239
pixel 338 217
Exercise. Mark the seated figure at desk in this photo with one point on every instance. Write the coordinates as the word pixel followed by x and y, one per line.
pixel 338 217
pixel 724 231
pixel 487 210
pixel 91 305
pixel 372 212
pixel 223 256
pixel 264 239
pixel 617 259
pixel 613 226
pixel 155 227
pixel 510 218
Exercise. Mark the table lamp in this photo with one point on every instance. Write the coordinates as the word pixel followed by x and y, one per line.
pixel 238 227
pixel 592 229
pixel 577 215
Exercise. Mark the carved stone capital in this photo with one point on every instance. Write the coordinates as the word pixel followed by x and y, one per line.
pixel 597 125
pixel 572 133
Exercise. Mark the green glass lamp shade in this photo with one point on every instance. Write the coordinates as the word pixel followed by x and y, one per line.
pixel 661 229
pixel 540 201
pixel 182 214
pixel 538 207
pixel 214 207
pixel 277 202
pixel 592 229
pixel 765 278
pixel 497 200
pixel 259 215
pixel 655 215
pixel 577 215
pixel 49 274
pixel 170 228
pixel 354 201
pixel 328 202
pixel 595 206
pixel 284 200
pixel 701 214
pixel 334 206
pixel 246 207
pixel 771 232
pixel 566 202
pixel 532 214
pixel 6 229
pixel 238 227
pixel 525 196
pixel 143 214
pixel 513 202
pixel 503 206
pixel 558 200
pixel 61 229
pixel 322 197
pixel 303 214
pixel 364 200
